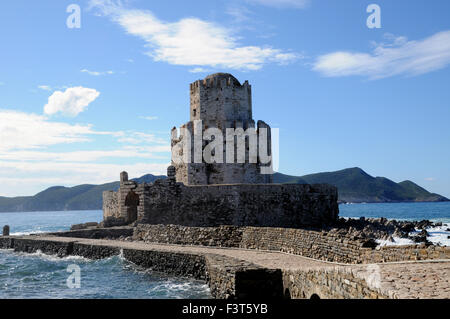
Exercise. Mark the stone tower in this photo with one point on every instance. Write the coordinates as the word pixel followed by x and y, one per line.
pixel 220 102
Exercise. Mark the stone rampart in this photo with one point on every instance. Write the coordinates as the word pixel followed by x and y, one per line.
pixel 235 273
pixel 228 278
pixel 308 243
pixel 223 236
pixel 328 283
pixel 264 205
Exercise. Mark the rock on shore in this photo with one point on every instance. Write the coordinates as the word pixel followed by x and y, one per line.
pixel 384 229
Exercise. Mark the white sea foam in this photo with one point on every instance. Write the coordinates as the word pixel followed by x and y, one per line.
pixel 438 235
pixel 175 288
pixel 397 242
pixel 48 257
pixel 26 233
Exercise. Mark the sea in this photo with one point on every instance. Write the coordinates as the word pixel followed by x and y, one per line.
pixel 49 277
pixel 39 276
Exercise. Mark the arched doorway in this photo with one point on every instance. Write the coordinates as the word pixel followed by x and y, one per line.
pixel 314 297
pixel 132 203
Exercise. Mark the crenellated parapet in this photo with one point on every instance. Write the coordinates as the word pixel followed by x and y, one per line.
pixel 220 99
pixel 220 102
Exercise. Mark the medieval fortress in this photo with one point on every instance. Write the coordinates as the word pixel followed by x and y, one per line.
pixel 219 218
pixel 221 172
pixel 222 107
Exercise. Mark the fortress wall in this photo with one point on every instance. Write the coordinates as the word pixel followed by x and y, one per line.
pixel 116 206
pixel 97 233
pixel 219 101
pixel 231 278
pixel 329 283
pixel 223 236
pixel 308 243
pixel 110 205
pixel 333 247
pixel 265 205
pixel 405 253
pixel 228 278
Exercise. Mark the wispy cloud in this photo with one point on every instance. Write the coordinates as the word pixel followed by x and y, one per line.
pixel 27 153
pixel 199 70
pixel 96 73
pixel 398 57
pixel 20 130
pixel 45 87
pixel 21 178
pixel 2 83
pixel 298 4
pixel 87 156
pixel 191 41
pixel 239 13
pixel 149 118
pixel 28 131
pixel 430 179
pixel 140 138
pixel 71 102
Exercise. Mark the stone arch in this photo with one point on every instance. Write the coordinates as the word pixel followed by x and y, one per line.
pixel 287 294
pixel 314 297
pixel 132 203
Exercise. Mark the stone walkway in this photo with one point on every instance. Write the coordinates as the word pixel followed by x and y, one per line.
pixel 421 279
pixel 417 280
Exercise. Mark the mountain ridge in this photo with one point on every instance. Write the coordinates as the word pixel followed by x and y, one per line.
pixel 354 185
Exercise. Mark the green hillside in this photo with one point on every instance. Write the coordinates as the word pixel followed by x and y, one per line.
pixel 354 185
pixel 82 197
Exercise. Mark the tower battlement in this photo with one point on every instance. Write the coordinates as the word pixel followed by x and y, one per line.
pixel 219 101
pixel 219 80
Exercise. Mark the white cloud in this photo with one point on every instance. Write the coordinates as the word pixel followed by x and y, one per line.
pixel 45 87
pixel 149 152
pixel 71 102
pixel 298 4
pixel 29 161
pixel 430 179
pixel 20 130
pixel 149 118
pixel 139 138
pixel 28 178
pixel 96 73
pixel 191 41
pixel 199 70
pixel 2 83
pixel 239 13
pixel 25 131
pixel 399 57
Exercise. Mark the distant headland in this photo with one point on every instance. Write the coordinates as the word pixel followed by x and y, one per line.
pixel 354 186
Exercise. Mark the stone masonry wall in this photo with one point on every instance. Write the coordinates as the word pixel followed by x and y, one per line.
pixel 265 205
pixel 231 278
pixel 228 278
pixel 223 236
pixel 219 101
pixel 331 283
pixel 308 243
pixel 110 205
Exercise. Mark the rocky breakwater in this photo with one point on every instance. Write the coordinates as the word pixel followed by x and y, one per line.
pixel 373 229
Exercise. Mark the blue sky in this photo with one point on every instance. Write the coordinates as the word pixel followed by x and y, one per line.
pixel 80 105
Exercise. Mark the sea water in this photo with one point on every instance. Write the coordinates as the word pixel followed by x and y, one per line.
pixel 436 212
pixel 42 276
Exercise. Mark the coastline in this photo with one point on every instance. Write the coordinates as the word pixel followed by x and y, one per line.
pixel 339 203
pixel 257 272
